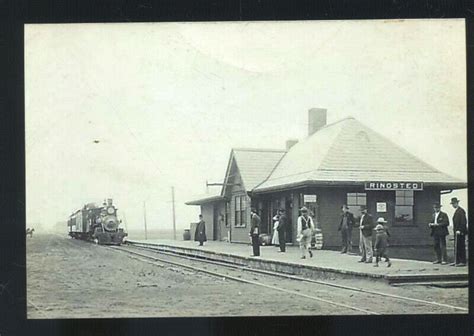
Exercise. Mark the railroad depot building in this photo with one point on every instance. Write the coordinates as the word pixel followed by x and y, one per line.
pixel 344 162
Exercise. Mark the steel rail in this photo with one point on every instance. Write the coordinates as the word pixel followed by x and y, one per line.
pixel 243 280
pixel 294 277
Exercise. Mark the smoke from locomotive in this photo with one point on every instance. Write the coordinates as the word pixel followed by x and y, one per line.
pixel 98 224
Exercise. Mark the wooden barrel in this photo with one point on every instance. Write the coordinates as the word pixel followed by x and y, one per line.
pixel 187 234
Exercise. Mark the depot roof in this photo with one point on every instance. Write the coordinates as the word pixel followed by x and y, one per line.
pixel 348 152
pixel 255 165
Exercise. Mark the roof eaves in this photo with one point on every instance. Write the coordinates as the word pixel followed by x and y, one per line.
pixel 299 184
pixel 241 177
pixel 259 150
pixel 205 200
pixel 227 172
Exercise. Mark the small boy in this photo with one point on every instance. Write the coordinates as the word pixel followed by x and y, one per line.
pixel 381 244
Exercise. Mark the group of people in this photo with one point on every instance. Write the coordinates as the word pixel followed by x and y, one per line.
pixel 366 227
pixel 305 229
pixel 439 231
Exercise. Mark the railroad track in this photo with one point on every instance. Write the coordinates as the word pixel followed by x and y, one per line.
pixel 203 264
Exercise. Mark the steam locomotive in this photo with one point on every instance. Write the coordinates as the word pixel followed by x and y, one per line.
pixel 98 224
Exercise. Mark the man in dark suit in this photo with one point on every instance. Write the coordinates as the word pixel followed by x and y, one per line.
pixel 439 231
pixel 200 234
pixel 366 227
pixel 282 227
pixel 255 231
pixel 345 226
pixel 460 231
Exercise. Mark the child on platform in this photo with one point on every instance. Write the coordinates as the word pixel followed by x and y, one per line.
pixel 381 242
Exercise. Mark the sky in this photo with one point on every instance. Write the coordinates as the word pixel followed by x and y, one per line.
pixel 126 111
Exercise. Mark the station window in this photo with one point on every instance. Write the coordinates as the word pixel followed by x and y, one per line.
pixel 354 201
pixel 404 200
pixel 240 210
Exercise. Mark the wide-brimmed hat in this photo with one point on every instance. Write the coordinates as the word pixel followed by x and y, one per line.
pixel 454 200
pixel 381 220
pixel 363 207
pixel 282 210
pixel 437 205
pixel 304 209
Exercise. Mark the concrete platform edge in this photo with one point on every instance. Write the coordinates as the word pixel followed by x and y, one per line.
pixel 294 268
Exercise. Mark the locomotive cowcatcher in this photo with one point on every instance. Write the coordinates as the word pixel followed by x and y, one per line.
pixel 98 224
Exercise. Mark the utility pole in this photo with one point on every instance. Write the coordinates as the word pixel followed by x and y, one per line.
pixel 144 218
pixel 174 215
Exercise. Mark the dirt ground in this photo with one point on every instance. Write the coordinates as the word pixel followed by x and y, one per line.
pixel 68 278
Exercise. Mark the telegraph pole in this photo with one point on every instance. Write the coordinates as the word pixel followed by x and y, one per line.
pixel 174 215
pixel 144 218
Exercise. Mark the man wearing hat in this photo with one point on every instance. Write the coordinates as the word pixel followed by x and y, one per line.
pixel 282 227
pixel 305 229
pixel 439 231
pixel 460 231
pixel 366 227
pixel 200 234
pixel 255 231
pixel 345 226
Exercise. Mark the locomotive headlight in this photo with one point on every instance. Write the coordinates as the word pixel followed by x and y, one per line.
pixel 110 210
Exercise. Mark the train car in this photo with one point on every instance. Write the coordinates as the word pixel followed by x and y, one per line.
pixel 97 223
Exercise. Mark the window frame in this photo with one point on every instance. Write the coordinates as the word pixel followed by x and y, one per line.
pixel 355 207
pixel 404 198
pixel 240 212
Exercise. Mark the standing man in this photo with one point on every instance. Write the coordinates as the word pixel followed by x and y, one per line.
pixel 365 241
pixel 460 231
pixel 282 227
pixel 345 226
pixel 200 234
pixel 254 232
pixel 305 229
pixel 439 231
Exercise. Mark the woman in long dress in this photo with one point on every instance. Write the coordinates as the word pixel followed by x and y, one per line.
pixel 275 240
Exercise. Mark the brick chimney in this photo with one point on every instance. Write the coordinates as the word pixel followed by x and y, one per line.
pixel 290 143
pixel 316 119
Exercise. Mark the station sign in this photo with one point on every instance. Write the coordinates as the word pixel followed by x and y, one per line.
pixel 310 198
pixel 391 185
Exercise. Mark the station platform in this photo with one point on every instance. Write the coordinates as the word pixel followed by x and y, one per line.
pixel 324 264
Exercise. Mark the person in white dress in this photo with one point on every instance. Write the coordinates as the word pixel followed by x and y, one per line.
pixel 275 240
